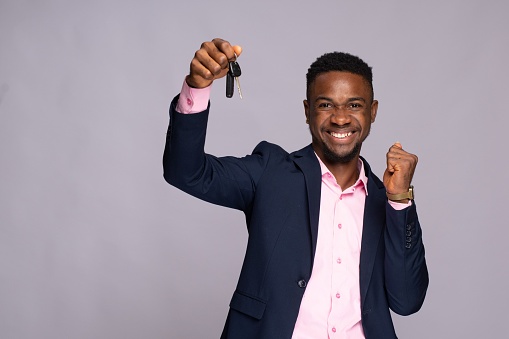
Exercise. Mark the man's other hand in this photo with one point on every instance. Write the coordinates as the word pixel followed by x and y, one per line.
pixel 400 170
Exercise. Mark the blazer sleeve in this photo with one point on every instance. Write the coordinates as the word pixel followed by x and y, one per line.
pixel 226 181
pixel 406 273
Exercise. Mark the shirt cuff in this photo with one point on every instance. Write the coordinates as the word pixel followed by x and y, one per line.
pixel 398 206
pixel 193 100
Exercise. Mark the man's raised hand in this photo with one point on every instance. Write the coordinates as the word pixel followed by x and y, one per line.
pixel 210 62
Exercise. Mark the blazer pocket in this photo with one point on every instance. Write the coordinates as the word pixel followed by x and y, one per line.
pixel 248 305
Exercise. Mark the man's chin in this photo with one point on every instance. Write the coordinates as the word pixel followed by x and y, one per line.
pixel 343 157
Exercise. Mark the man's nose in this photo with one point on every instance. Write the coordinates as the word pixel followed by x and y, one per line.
pixel 341 115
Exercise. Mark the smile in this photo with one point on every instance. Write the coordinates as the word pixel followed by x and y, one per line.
pixel 340 135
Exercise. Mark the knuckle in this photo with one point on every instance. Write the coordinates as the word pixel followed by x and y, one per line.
pixel 205 45
pixel 222 60
pixel 200 53
pixel 216 69
pixel 194 65
pixel 224 43
pixel 206 74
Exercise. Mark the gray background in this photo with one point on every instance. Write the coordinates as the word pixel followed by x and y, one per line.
pixel 94 243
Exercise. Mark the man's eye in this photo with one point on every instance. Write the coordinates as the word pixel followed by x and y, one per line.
pixel 325 105
pixel 355 106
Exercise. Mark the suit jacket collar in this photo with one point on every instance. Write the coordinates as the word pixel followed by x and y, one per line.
pixel 306 160
pixel 373 226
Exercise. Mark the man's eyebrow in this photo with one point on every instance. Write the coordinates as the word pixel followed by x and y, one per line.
pixel 321 97
pixel 356 99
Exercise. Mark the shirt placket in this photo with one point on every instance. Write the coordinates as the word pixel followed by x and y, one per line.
pixel 337 264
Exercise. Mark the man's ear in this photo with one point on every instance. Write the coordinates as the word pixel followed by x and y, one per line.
pixel 374 109
pixel 306 110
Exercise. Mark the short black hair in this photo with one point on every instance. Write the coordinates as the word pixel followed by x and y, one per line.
pixel 342 62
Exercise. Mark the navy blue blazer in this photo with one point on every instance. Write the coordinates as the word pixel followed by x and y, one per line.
pixel 279 193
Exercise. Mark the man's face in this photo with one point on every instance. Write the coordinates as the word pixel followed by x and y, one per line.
pixel 340 110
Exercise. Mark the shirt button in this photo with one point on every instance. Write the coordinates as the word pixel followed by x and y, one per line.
pixel 302 283
pixel 338 261
pixel 189 101
pixel 334 329
pixel 340 226
pixel 338 295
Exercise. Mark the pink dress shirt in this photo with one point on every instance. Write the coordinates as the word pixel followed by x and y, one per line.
pixel 193 100
pixel 330 307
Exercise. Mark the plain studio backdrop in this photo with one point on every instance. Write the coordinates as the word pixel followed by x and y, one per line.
pixel 95 244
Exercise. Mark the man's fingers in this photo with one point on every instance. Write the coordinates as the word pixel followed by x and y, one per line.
pixel 396 151
pixel 204 71
pixel 226 48
pixel 397 163
pixel 210 62
pixel 211 58
pixel 397 160
pixel 400 168
pixel 225 51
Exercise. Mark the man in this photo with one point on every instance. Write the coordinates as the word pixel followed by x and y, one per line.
pixel 331 248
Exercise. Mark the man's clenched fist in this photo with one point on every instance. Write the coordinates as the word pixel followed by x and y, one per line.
pixel 210 62
pixel 400 170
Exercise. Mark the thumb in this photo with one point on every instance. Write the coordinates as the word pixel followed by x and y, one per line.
pixel 237 49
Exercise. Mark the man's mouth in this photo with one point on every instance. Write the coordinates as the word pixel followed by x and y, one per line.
pixel 340 135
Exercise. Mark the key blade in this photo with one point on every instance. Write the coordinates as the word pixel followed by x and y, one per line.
pixel 238 86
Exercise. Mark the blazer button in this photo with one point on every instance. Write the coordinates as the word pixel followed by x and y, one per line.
pixel 302 283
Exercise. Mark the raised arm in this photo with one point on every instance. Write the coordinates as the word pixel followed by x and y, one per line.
pixel 406 274
pixel 226 181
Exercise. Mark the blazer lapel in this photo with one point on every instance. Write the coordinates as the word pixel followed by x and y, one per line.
pixel 374 220
pixel 306 160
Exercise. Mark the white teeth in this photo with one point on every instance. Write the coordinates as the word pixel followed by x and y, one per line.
pixel 340 135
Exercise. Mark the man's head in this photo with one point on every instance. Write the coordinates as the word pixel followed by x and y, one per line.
pixel 339 107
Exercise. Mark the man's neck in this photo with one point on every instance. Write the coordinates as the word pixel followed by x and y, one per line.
pixel 346 174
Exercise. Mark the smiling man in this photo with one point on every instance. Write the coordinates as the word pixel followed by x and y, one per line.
pixel 331 248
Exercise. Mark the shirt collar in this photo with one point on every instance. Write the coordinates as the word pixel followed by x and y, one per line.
pixel 362 180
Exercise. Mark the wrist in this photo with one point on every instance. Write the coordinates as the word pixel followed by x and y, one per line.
pixel 191 82
pixel 402 197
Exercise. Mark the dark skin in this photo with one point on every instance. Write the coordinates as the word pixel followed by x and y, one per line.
pixel 340 110
pixel 210 62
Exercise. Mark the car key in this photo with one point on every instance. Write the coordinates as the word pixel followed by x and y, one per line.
pixel 233 72
pixel 229 85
